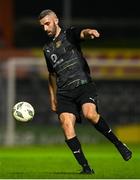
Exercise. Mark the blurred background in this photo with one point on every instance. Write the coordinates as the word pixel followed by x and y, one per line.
pixel 114 60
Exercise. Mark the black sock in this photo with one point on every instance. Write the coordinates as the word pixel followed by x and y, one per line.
pixel 75 147
pixel 103 128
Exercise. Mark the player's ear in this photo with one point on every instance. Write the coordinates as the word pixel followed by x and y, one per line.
pixel 56 21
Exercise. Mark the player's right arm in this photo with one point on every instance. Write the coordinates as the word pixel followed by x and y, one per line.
pixel 51 83
pixel 52 91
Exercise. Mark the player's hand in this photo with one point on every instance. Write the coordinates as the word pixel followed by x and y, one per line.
pixel 89 33
pixel 93 33
pixel 54 105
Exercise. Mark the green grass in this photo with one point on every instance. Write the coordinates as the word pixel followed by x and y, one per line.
pixel 57 162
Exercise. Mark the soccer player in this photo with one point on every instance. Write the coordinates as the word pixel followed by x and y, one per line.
pixel 72 90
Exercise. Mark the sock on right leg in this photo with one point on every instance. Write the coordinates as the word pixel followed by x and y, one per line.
pixel 75 147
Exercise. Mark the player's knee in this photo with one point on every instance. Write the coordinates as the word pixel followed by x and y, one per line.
pixel 92 116
pixel 65 125
pixel 68 128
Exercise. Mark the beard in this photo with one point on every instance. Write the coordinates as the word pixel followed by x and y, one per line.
pixel 52 33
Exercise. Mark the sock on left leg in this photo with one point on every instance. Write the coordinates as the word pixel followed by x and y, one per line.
pixel 103 128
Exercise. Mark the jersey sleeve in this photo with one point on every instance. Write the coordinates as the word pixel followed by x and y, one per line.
pixel 73 33
pixel 49 65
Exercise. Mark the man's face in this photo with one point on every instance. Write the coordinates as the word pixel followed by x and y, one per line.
pixel 49 24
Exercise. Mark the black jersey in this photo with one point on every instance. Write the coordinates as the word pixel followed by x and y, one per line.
pixel 64 57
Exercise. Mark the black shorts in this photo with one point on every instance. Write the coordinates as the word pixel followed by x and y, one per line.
pixel 72 101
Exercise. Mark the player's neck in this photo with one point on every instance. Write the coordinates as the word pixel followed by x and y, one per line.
pixel 57 32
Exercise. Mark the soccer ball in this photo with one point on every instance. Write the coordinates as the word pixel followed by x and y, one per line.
pixel 23 111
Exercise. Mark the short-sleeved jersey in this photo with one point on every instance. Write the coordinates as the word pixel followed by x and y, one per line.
pixel 64 57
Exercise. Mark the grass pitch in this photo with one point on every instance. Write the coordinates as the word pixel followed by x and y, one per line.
pixel 57 162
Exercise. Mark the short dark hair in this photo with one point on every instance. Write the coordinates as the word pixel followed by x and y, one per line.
pixel 45 13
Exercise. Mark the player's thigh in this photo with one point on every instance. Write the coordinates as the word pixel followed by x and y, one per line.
pixel 66 109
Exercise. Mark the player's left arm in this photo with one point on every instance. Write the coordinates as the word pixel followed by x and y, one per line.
pixel 89 34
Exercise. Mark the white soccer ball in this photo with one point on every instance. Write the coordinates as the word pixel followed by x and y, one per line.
pixel 23 111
